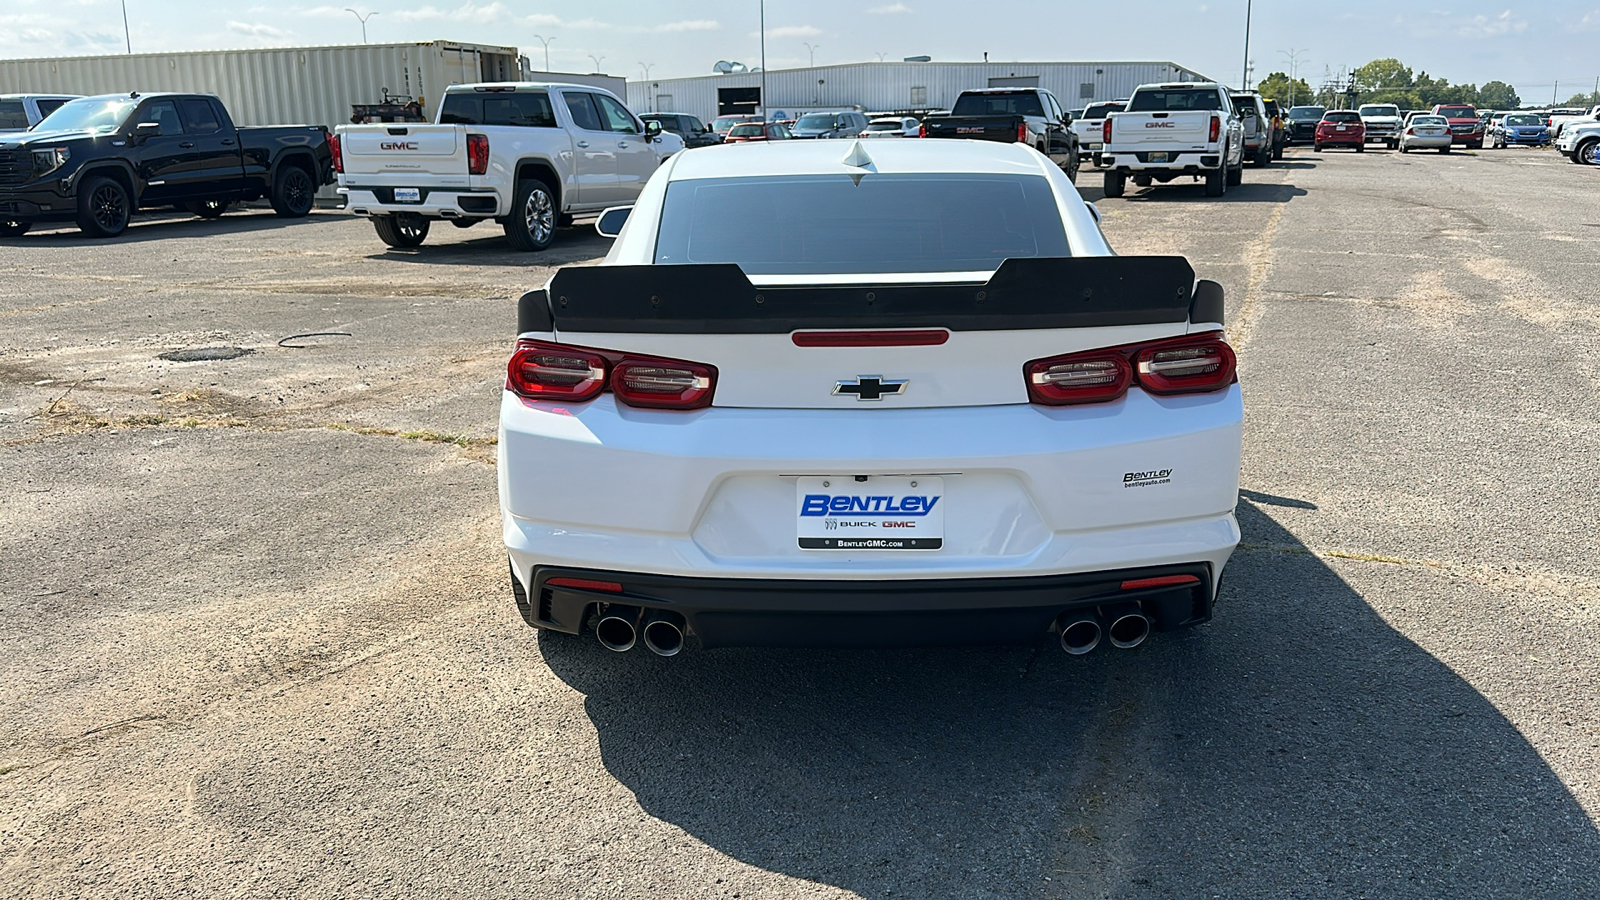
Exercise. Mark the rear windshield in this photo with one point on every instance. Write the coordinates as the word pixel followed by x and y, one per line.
pixel 885 126
pixel 528 110
pixel 830 225
pixel 1019 104
pixel 1457 112
pixel 1099 110
pixel 1345 116
pixel 13 115
pixel 745 131
pixel 1307 112
pixel 1428 120
pixel 816 120
pixel 723 123
pixel 1164 99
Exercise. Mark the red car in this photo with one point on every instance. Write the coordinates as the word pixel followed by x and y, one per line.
pixel 1465 126
pixel 755 131
pixel 1340 126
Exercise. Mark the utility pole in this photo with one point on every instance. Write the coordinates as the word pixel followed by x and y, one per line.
pixel 812 52
pixel 126 34
pixel 763 103
pixel 546 43
pixel 1294 69
pixel 359 17
pixel 1247 11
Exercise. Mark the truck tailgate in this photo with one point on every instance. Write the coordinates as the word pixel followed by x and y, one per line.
pixel 981 128
pixel 426 152
pixel 1184 128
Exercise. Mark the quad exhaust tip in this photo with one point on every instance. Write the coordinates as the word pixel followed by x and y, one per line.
pixel 1128 625
pixel 663 632
pixel 1080 631
pixel 617 629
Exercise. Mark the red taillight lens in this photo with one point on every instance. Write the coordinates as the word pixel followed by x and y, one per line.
pixel 1216 127
pixel 540 370
pixel 584 584
pixel 1186 365
pixel 477 154
pixel 1411 131
pixel 544 371
pixel 1092 377
pixel 1022 132
pixel 338 154
pixel 1105 132
pixel 1182 365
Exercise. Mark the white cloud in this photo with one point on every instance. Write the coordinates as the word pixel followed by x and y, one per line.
pixel 790 31
pixel 257 30
pixel 470 13
pixel 689 25
pixel 890 9
pixel 1481 26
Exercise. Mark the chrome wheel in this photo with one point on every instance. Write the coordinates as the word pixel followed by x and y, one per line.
pixel 1589 153
pixel 539 215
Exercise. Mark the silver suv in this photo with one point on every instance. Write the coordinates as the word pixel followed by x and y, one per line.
pixel 845 123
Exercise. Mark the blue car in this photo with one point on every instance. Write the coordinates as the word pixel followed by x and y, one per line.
pixel 1526 129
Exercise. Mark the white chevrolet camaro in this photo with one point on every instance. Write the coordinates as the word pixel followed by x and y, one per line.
pixel 881 393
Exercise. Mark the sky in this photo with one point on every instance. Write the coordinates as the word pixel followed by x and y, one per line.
pixel 1539 48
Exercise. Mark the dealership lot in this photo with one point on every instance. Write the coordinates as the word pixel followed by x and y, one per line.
pixel 261 641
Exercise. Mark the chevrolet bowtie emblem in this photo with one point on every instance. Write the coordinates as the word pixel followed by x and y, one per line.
pixel 870 387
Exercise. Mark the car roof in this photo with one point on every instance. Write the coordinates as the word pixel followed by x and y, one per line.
pixel 141 95
pixel 41 96
pixel 887 157
pixel 519 86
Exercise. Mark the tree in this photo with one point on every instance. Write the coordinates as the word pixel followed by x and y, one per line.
pixel 1383 74
pixel 1581 100
pixel 1499 95
pixel 1277 86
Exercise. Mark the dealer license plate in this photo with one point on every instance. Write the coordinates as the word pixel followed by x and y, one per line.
pixel 1158 157
pixel 408 195
pixel 881 513
pixel 1096 146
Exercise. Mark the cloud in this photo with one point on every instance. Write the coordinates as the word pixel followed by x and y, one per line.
pixel 257 30
pixel 1481 26
pixel 890 9
pixel 689 25
pixel 790 31
pixel 471 13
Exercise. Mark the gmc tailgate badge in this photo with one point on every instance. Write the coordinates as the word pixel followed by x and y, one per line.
pixel 870 387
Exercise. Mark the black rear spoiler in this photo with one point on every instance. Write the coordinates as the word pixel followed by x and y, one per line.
pixel 1078 292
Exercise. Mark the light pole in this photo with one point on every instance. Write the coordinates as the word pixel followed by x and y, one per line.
pixel 359 17
pixel 546 43
pixel 647 67
pixel 596 62
pixel 126 34
pixel 763 98
pixel 812 52
pixel 1294 69
pixel 1247 9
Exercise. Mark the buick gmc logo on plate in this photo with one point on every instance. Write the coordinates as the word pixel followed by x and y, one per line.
pixel 879 513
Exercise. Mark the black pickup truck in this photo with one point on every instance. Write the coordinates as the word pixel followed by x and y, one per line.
pixel 96 160
pixel 1029 116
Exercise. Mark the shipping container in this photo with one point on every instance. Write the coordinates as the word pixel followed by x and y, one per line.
pixel 894 86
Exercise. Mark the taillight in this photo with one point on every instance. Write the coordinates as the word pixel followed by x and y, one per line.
pixel 540 370
pixel 1022 132
pixel 1216 127
pixel 543 371
pixel 922 130
pixel 1183 365
pixel 477 154
pixel 1411 131
pixel 1105 132
pixel 338 154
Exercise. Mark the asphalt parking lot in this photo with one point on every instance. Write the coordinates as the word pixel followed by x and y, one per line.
pixel 259 640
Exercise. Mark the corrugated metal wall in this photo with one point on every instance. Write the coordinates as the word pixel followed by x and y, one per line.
pixel 290 86
pixel 888 86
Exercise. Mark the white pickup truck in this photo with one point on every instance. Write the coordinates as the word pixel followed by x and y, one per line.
pixel 1559 123
pixel 529 156
pixel 1172 130
pixel 1580 142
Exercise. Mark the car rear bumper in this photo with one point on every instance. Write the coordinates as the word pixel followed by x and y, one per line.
pixel 1175 163
pixel 436 203
pixel 1431 142
pixel 727 612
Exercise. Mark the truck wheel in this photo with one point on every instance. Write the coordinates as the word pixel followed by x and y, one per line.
pixel 1073 167
pixel 532 223
pixel 10 228
pixel 404 230
pixel 1444 149
pixel 1585 154
pixel 292 192
pixel 1115 184
pixel 1236 175
pixel 103 207
pixel 1361 148
pixel 1316 146
pixel 1477 145
pixel 1277 151
pixel 1216 183
pixel 1404 149
pixel 207 209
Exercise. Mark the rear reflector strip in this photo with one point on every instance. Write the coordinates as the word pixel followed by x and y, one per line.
pixel 922 337
pixel 1159 581
pixel 610 587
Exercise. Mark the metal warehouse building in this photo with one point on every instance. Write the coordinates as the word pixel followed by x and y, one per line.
pixel 890 86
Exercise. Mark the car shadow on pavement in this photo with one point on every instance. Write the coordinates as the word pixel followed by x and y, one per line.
pixel 1297 746
pixel 155 226
pixel 486 245
pixel 1183 192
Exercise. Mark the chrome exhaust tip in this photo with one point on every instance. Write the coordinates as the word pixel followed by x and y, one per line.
pixel 1128 627
pixel 617 630
pixel 1080 631
pixel 663 632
